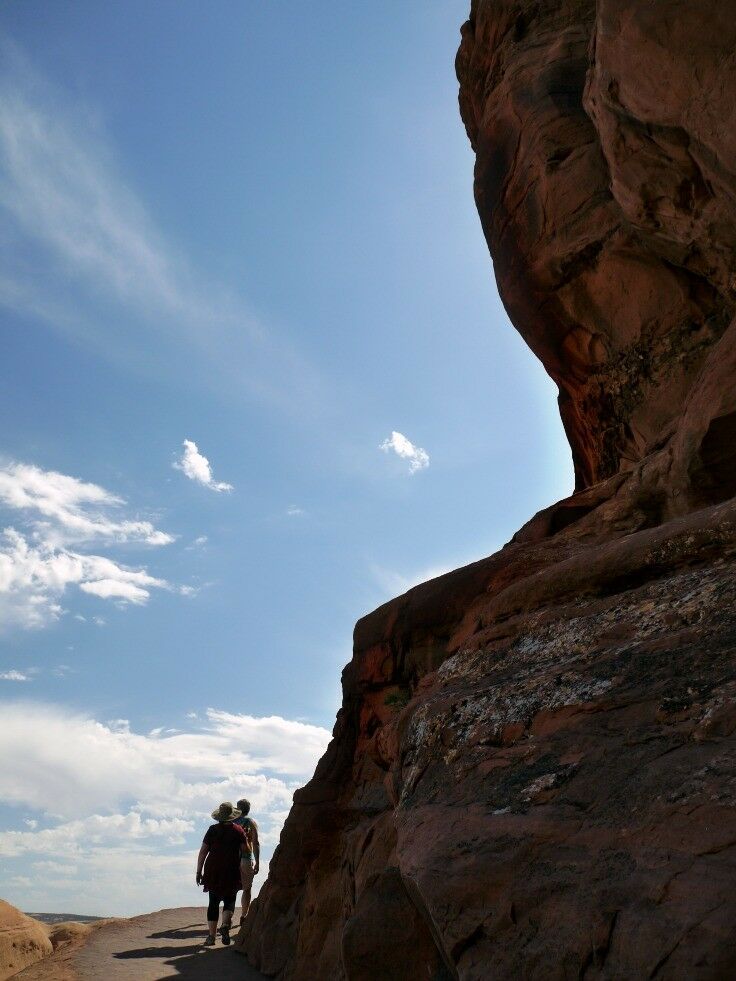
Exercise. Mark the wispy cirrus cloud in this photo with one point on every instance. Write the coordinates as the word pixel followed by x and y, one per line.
pixel 105 797
pixel 196 467
pixel 392 583
pixel 58 515
pixel 109 275
pixel 397 443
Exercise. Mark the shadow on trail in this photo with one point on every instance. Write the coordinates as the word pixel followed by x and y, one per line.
pixel 179 934
pixel 195 961
pixel 160 952
pixel 162 946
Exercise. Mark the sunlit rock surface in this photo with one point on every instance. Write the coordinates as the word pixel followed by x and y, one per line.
pixel 23 941
pixel 533 773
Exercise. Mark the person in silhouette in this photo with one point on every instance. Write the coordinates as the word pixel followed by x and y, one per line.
pixel 218 869
pixel 250 856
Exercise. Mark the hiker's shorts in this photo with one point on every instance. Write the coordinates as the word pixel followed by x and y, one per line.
pixel 246 872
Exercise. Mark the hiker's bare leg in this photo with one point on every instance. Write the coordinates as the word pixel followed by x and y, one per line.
pixel 212 927
pixel 246 881
pixel 245 902
pixel 227 918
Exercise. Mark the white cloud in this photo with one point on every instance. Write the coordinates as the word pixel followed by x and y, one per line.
pixel 13 675
pixel 404 448
pixel 33 578
pixel 294 512
pixel 38 564
pixel 197 467
pixel 71 510
pixel 106 796
pixel 120 589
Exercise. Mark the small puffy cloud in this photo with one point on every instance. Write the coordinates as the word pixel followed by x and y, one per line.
pixel 13 675
pixel 293 511
pixel 197 467
pixel 124 590
pixel 197 543
pixel 404 448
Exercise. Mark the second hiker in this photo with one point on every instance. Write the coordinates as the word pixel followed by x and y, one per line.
pixel 250 854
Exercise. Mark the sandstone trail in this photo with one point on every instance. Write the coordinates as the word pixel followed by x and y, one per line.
pixel 154 947
pixel 532 774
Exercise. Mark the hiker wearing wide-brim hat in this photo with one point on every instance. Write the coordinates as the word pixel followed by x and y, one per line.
pixel 218 869
pixel 226 812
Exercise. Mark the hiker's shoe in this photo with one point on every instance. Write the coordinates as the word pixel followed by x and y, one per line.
pixel 225 934
pixel 209 942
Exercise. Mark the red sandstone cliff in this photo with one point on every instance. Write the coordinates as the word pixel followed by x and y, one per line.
pixel 533 772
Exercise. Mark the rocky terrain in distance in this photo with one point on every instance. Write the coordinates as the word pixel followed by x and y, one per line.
pixel 533 772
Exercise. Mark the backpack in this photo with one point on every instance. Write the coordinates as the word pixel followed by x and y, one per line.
pixel 247 825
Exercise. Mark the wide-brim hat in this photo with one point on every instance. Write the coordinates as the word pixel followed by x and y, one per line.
pixel 226 812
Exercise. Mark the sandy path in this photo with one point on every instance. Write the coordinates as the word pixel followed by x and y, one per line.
pixel 160 945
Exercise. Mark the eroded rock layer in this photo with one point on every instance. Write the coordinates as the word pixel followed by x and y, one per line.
pixel 533 773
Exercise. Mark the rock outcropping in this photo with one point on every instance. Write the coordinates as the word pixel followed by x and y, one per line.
pixel 605 181
pixel 23 941
pixel 533 773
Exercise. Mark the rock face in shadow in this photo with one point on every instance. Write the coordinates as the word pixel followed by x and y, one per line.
pixel 533 773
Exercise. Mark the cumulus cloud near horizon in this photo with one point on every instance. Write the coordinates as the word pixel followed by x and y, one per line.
pixel 106 797
pixel 196 467
pixel 59 515
pixel 397 443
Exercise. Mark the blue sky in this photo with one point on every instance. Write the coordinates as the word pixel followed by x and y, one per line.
pixel 252 230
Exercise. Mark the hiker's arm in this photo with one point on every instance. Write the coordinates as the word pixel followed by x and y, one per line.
pixel 256 849
pixel 203 853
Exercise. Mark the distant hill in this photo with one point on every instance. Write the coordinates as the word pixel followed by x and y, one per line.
pixel 64 917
